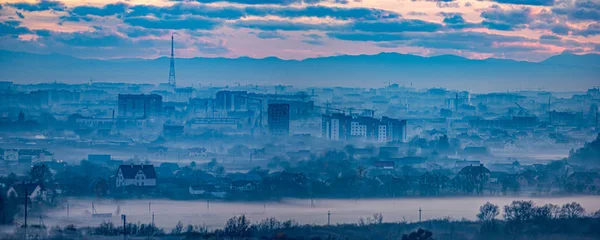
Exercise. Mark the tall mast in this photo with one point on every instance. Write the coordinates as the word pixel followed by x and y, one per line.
pixel 172 66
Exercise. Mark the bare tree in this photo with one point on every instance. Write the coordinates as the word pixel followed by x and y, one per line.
pixel 572 210
pixel 519 211
pixel 488 212
pixel 237 227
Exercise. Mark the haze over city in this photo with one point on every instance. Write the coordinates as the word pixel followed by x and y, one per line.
pixel 300 119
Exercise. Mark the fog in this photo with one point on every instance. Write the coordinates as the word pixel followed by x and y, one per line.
pixel 168 212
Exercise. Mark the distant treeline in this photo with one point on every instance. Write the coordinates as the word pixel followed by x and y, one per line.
pixel 520 220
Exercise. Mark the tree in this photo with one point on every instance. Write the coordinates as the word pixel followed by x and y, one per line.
pixel 572 210
pixel 546 212
pixel 100 187
pixel 488 212
pixel 237 227
pixel 40 173
pixel 193 164
pixel 596 214
pixel 212 164
pixel 519 211
pixel 178 229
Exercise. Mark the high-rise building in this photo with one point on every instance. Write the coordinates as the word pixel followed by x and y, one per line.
pixel 230 100
pixel 338 126
pixel 279 118
pixel 335 126
pixel 139 105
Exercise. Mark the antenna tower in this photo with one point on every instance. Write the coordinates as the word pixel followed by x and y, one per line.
pixel 172 66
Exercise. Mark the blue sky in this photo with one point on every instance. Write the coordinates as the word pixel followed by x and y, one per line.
pixel 529 30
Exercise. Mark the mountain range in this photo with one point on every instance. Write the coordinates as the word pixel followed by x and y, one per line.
pixel 565 72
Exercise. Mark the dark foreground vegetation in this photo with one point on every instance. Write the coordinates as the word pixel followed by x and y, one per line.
pixel 520 220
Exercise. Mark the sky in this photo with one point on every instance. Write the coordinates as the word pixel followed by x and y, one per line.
pixel 529 30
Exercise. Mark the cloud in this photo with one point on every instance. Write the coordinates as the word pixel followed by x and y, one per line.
pixel 447 5
pixel 136 32
pixel 261 2
pixel 273 25
pixel 107 10
pixel 191 23
pixel 313 36
pixel 223 12
pixel 313 42
pixel 591 30
pixel 413 13
pixel 527 2
pixel 39 6
pixel 323 11
pixel 404 25
pixel 560 29
pixel 461 41
pixel 74 18
pixel 13 28
pixel 271 35
pixel 580 10
pixel 549 37
pixel 456 21
pixel 367 37
pixel 506 20
pixel 20 15
pixel 208 47
pixel 91 39
pixel 473 41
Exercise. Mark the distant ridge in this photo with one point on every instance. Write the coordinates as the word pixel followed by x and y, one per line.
pixel 564 72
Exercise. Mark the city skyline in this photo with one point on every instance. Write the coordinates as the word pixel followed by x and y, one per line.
pixel 530 30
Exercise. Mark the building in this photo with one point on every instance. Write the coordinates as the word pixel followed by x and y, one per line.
pixel 298 109
pixel 139 105
pixel 35 155
pixel 279 119
pixel 230 100
pixel 335 126
pixel 136 175
pixel 35 192
pixel 338 126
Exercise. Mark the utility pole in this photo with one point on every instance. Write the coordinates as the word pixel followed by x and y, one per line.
pixel 67 210
pixel 149 207
pixel 152 224
pixel 26 197
pixel 420 214
pixel 328 217
pixel 207 206
pixel 124 217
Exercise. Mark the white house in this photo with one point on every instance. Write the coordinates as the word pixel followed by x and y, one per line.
pixel 136 175
pixel 34 191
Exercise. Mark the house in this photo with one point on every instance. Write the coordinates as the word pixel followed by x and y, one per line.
pixel 158 150
pixel 465 163
pixel 242 185
pixel 472 178
pixel 142 175
pixel 35 192
pixel 36 155
pixel 411 161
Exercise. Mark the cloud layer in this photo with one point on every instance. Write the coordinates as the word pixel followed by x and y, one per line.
pixel 518 29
